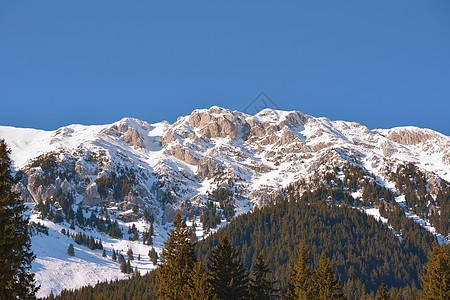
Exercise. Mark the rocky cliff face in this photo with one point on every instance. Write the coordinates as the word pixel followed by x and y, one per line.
pixel 169 167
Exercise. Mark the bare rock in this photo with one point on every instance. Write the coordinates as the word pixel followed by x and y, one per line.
pixel 388 149
pixel 409 137
pixel 92 196
pixel 133 137
pixel 183 154
pixel 207 167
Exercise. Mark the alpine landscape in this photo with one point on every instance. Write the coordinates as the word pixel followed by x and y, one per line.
pixel 225 150
pixel 116 189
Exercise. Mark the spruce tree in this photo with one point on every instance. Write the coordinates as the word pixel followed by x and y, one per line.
pixel 300 278
pixel 436 280
pixel 71 250
pixel 16 281
pixel 114 257
pixel 129 269
pixel 123 266
pixel 198 287
pixel 326 286
pixel 178 261
pixel 261 286
pixel 153 256
pixel 226 275
pixel 80 216
pixel 149 239
pixel 130 253
pixel 382 293
pixel 193 234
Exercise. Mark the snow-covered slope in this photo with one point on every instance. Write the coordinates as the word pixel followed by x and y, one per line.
pixel 162 168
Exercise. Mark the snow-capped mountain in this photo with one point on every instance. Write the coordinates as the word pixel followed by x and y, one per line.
pixel 161 168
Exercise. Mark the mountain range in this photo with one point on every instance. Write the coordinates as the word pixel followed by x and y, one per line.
pixel 142 173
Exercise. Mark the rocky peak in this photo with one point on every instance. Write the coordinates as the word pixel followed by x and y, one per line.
pixel 164 165
pixel 411 135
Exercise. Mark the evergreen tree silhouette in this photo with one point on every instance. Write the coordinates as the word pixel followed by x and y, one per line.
pixel 226 275
pixel 178 261
pixel 16 281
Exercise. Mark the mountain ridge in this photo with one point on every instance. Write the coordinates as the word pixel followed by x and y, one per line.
pixel 228 158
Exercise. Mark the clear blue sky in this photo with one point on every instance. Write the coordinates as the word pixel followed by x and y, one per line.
pixel 380 63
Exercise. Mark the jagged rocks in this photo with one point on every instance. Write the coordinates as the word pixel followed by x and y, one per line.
pixel 216 122
pixel 92 196
pixel 183 154
pixel 134 138
pixel 207 167
pixel 409 137
pixel 388 149
pixel 162 165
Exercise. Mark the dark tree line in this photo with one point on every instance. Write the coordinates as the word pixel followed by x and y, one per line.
pixel 16 281
pixel 359 256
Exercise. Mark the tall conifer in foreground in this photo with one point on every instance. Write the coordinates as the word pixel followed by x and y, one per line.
pixel 326 286
pixel 262 287
pixel 178 261
pixel 436 280
pixel 300 279
pixel 16 282
pixel 198 287
pixel 226 275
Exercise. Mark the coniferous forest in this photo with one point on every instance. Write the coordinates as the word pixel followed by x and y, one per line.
pixel 313 244
pixel 335 250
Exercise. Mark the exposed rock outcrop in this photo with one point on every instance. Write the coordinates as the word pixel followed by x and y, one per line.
pixel 409 137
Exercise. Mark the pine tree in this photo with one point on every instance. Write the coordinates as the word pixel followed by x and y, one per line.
pixel 178 260
pixel 129 269
pixel 104 253
pixel 300 279
pixel 71 250
pixel 135 236
pixel 198 286
pixel 436 280
pixel 80 216
pixel 130 253
pixel 15 246
pixel 123 266
pixel 149 239
pixel 153 256
pixel 193 234
pixel 226 275
pixel 326 286
pixel 121 258
pixel 261 286
pixel 382 294
pixel 114 257
pixel 150 234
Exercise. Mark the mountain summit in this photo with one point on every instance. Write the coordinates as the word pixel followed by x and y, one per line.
pixel 182 161
pixel 213 160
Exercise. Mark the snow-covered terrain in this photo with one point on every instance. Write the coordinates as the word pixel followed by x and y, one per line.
pixel 167 168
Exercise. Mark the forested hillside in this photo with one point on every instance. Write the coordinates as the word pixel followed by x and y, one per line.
pixel 364 252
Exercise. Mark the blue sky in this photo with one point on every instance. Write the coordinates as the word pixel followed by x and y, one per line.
pixel 380 63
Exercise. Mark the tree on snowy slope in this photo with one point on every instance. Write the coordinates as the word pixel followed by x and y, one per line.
pixel 16 282
pixel 178 261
